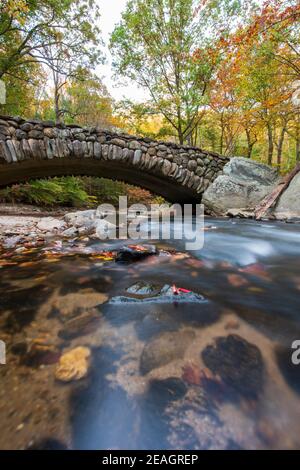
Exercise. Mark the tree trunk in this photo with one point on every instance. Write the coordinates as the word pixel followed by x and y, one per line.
pixel 56 104
pixel 222 135
pixel 270 144
pixel 298 149
pixel 280 146
pixel 195 136
pixel 298 139
pixel 250 143
pixel 56 97
pixel 180 138
pixel 179 132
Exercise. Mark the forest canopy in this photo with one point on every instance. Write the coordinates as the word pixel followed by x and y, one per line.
pixel 222 75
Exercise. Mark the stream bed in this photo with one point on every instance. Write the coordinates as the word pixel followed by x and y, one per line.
pixel 178 350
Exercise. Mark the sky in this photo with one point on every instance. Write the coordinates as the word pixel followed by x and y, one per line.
pixel 110 15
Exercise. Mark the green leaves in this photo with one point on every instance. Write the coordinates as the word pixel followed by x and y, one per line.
pixel 28 28
pixel 153 45
pixel 68 191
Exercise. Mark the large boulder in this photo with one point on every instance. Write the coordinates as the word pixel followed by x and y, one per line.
pixel 243 184
pixel 288 205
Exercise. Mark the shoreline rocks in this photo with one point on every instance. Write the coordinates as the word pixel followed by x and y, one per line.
pixel 243 184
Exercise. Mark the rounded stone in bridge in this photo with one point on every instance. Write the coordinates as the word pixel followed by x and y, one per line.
pixel 38 149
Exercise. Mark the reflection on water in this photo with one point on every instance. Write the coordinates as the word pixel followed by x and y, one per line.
pixel 212 372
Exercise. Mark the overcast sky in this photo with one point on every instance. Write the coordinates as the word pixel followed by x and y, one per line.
pixel 110 15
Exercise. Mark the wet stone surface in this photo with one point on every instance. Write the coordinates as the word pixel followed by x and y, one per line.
pixel 133 253
pixel 151 293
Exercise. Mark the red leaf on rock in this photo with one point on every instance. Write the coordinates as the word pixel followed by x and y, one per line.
pixel 191 374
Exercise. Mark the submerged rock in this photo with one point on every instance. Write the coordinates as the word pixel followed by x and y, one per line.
pixel 238 363
pixel 40 354
pixel 132 253
pixel 47 444
pixel 176 415
pixel 73 365
pixel 79 325
pixel 165 348
pixel 289 370
pixel 19 348
pixel 165 391
pixel 243 184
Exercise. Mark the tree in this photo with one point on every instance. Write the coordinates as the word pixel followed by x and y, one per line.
pixel 154 46
pixel 141 119
pixel 276 22
pixel 29 29
pixel 252 88
pixel 21 93
pixel 87 101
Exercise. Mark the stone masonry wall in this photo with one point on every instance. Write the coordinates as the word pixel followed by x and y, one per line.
pixel 191 167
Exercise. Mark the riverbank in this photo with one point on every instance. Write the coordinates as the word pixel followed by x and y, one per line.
pixel 28 224
pixel 22 224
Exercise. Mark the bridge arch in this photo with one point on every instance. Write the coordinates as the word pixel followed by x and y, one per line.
pixel 37 149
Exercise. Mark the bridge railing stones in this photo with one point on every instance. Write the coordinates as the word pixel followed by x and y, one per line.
pixel 187 166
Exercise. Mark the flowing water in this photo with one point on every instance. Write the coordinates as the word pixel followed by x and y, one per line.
pixel 214 372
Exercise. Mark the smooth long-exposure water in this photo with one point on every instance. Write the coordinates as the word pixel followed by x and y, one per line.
pixel 211 369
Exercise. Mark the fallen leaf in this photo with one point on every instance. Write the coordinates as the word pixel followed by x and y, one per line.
pixel 236 280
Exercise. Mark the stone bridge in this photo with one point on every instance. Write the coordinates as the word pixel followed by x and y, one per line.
pixel 37 149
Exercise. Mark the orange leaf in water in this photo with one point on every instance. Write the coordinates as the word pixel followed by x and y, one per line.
pixel 138 247
pixel 195 263
pixel 27 251
pixel 236 280
pixel 105 256
pixel 27 264
pixel 40 278
pixel 257 269
pixel 6 263
pixel 255 289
